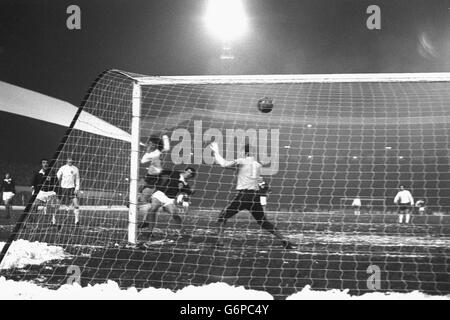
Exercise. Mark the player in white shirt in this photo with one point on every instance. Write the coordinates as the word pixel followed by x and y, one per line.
pixel 152 157
pixel 69 179
pixel 405 201
pixel 248 196
pixel 356 204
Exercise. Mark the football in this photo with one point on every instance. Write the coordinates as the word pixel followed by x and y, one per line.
pixel 265 105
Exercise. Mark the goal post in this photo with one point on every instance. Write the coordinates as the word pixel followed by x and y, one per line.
pixel 134 162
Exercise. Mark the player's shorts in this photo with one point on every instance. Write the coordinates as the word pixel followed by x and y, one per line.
pixel 161 197
pixel 7 196
pixel 245 200
pixel 44 196
pixel 402 208
pixel 151 180
pixel 67 194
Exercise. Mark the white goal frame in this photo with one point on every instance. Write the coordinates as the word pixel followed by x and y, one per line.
pixel 139 81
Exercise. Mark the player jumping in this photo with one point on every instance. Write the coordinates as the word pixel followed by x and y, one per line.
pixel 153 156
pixel 69 178
pixel 171 185
pixel 248 196
pixel 405 201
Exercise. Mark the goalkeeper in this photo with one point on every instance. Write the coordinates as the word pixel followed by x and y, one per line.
pixel 172 192
pixel 157 146
pixel 249 194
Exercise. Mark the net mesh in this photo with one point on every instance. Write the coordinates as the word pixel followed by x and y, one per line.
pixel 323 142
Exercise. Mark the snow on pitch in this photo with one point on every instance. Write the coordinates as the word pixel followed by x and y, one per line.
pixel 23 253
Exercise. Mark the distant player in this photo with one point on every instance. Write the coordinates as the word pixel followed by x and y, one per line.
pixel 356 204
pixel 45 184
pixel 8 189
pixel 248 196
pixel 152 157
pixel 420 205
pixel 69 178
pixel 171 185
pixel 405 201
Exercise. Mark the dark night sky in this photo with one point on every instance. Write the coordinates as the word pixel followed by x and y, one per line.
pixel 168 37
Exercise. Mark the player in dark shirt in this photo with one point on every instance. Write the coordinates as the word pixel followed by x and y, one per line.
pixel 170 185
pixel 8 190
pixel 44 185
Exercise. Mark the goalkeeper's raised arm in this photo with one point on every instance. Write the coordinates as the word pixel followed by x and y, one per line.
pixel 218 157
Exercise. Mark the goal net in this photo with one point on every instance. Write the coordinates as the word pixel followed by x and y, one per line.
pixel 328 138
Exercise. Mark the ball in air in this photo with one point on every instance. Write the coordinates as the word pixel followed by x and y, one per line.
pixel 265 105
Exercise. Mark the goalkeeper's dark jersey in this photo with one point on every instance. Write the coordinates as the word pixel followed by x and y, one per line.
pixel 171 184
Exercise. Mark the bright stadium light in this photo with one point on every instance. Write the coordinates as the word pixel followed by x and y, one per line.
pixel 226 19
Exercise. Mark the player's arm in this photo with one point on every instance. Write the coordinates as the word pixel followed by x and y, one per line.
pixel 396 198
pixel 411 199
pixel 77 181
pixel 34 182
pixel 219 159
pixel 166 143
pixel 59 174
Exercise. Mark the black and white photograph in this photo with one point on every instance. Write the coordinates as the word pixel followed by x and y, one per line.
pixel 224 150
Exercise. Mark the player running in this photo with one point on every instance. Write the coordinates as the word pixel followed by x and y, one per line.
pixel 171 192
pixel 45 184
pixel 152 156
pixel 69 178
pixel 248 196
pixel 404 200
pixel 8 189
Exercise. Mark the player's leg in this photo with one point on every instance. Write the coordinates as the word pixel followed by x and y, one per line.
pixel 400 215
pixel 146 200
pixel 8 204
pixel 52 205
pixel 231 210
pixel 76 209
pixel 150 216
pixel 173 210
pixel 258 214
pixel 407 215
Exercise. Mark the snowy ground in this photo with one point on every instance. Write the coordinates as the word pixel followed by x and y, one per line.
pixel 23 253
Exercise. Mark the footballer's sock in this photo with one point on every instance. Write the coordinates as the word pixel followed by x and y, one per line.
pixel 400 218
pixel 408 216
pixel 53 219
pixel 77 215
